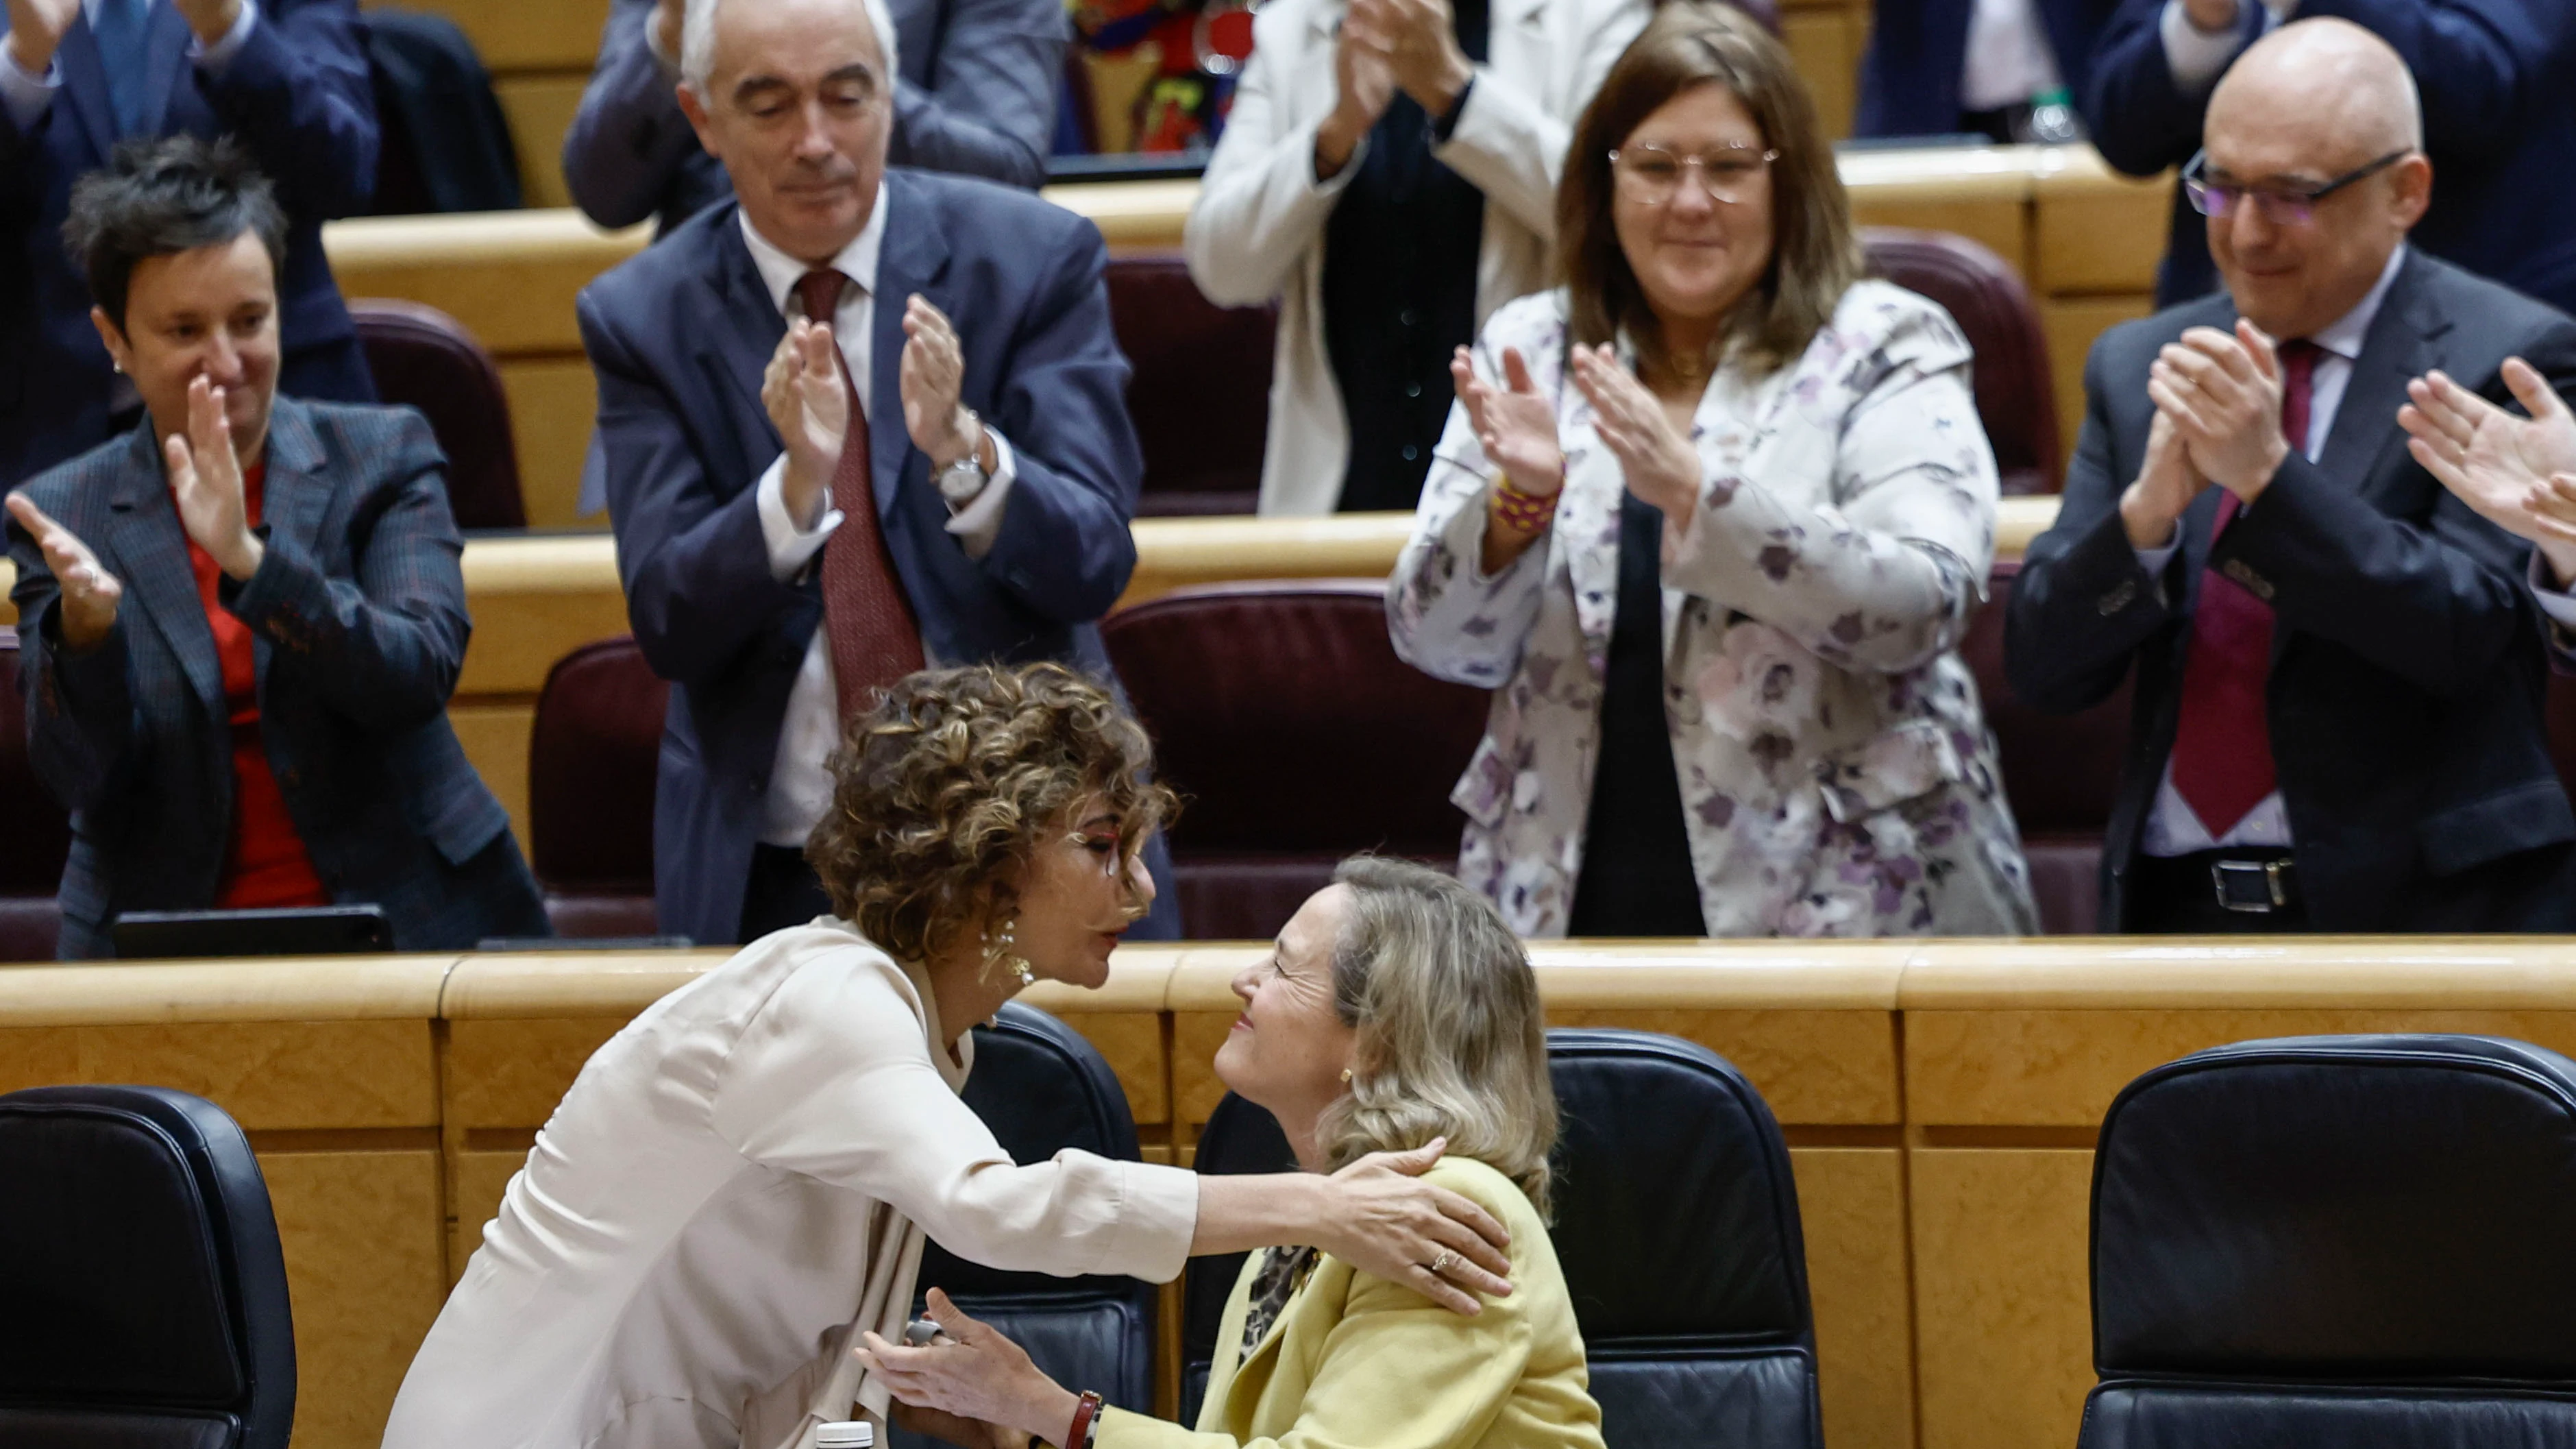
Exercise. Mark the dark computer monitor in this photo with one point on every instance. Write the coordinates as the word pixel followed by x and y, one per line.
pixel 293 931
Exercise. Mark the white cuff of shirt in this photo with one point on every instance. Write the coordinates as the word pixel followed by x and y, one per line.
pixel 979 521
pixel 2153 560
pixel 26 97
pixel 790 548
pixel 2559 604
pixel 220 54
pixel 2193 55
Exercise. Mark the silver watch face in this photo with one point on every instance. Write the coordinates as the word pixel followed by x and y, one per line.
pixel 961 480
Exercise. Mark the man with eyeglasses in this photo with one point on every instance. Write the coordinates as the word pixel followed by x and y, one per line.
pixel 2337 714
pixel 2499 119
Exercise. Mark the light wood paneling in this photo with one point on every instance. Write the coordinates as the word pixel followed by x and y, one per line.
pixel 1821 1067
pixel 364 1239
pixel 516 35
pixel 268 1075
pixel 504 1074
pixel 1851 1205
pixel 2099 232
pixel 509 276
pixel 495 737
pixel 553 402
pixel 2071 326
pixel 2062 1068
pixel 1826 44
pixel 540 109
pixel 2002 1312
pixel 1133 1044
pixel 479 1178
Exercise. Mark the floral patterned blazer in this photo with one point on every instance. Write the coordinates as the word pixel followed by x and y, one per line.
pixel 1837 775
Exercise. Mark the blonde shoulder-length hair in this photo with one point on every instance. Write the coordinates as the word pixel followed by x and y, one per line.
pixel 1815 256
pixel 1451 1039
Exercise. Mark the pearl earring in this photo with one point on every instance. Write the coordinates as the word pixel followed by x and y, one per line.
pixel 1004 951
pixel 1346 1074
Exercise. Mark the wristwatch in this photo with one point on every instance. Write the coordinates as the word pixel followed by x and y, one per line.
pixel 960 481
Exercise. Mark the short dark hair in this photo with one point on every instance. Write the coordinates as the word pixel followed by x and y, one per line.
pixel 160 196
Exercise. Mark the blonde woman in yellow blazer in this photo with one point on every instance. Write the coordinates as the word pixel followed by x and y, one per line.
pixel 1396 1009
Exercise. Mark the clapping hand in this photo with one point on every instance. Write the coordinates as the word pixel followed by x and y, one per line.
pixel 934 373
pixel 2517 473
pixel 36 30
pixel 89 592
pixel 206 478
pixel 1363 85
pixel 2223 393
pixel 1419 42
pixel 809 404
pixel 1659 463
pixel 1514 423
pixel 2166 484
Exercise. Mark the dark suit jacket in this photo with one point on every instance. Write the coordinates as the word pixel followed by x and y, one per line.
pixel 359 612
pixel 2499 123
pixel 679 337
pixel 2405 695
pixel 297 94
pixel 1909 79
pixel 975 95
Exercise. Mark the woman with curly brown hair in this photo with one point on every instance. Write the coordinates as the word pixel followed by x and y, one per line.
pixel 739 1183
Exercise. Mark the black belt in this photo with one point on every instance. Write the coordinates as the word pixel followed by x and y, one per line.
pixel 2245 882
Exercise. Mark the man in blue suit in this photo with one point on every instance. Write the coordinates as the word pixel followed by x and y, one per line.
pixel 932 465
pixel 1937 67
pixel 2499 120
pixel 288 78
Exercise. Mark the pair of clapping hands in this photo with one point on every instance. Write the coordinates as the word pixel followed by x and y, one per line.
pixel 809 402
pixel 1517 426
pixel 1386 46
pixel 205 478
pixel 2218 420
pixel 2518 473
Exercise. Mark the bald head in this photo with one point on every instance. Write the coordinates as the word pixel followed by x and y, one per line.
pixel 2318 106
pixel 2329 78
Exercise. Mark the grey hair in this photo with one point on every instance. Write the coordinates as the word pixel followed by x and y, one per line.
pixel 698 42
pixel 1451 1037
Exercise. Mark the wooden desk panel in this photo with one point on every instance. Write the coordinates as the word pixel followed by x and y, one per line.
pixel 364 1238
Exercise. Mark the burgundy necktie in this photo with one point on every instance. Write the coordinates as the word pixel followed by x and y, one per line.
pixel 866 619
pixel 2222 754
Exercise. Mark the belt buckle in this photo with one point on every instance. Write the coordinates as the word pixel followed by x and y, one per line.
pixel 2248 887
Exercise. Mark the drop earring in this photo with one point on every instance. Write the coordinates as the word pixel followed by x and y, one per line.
pixel 1004 951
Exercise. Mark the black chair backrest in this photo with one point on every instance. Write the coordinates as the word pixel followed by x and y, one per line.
pixel 2337 1240
pixel 1676 1224
pixel 1042 1089
pixel 39 837
pixel 142 1296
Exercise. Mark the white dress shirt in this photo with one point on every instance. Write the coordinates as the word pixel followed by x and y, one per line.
pixel 800 788
pixel 27 96
pixel 2173 827
pixel 2009 62
pixel 736 1186
pixel 2196 56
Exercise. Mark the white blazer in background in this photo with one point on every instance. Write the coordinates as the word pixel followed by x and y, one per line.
pixel 1257 231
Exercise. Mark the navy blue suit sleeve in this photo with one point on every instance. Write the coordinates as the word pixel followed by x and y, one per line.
pixel 79 707
pixel 298 93
pixel 2140 121
pixel 628 140
pixel 385 648
pixel 2081 604
pixel 989 109
pixel 2480 65
pixel 1064 546
pixel 2441 602
pixel 694 565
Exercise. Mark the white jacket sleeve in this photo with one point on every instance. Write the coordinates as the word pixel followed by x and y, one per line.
pixel 1507 142
pixel 832 1078
pixel 1260 209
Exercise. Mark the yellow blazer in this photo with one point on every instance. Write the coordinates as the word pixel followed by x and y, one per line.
pixel 1360 1361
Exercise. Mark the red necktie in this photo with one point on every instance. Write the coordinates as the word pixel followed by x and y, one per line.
pixel 2222 753
pixel 866 618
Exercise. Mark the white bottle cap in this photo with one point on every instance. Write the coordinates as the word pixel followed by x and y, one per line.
pixel 849 1434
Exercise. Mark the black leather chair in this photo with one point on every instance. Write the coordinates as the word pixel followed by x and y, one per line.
pixel 2356 1240
pixel 1677 1226
pixel 142 1297
pixel 1042 1088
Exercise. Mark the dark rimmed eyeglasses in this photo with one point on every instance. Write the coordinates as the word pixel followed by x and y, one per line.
pixel 2281 205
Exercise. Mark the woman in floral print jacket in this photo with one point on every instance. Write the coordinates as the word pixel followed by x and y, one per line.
pixel 1711 521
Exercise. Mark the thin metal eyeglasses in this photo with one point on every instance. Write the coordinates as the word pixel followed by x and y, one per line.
pixel 1652 176
pixel 2282 206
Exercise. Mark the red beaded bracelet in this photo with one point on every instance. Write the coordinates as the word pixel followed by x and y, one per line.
pixel 1086 1416
pixel 1520 511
